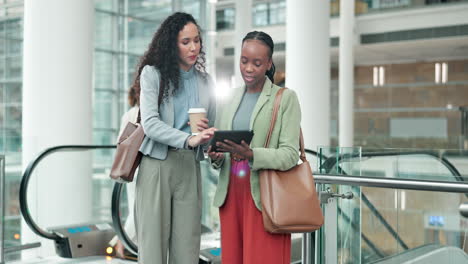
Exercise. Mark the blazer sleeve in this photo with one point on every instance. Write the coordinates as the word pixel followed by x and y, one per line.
pixel 286 155
pixel 154 127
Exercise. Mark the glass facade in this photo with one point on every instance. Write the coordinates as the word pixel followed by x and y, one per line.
pixel 123 30
pixel 11 41
pixel 265 13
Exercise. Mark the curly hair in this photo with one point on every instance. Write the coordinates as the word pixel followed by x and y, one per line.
pixel 163 54
pixel 133 96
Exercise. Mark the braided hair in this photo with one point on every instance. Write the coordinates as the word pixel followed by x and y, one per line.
pixel 267 40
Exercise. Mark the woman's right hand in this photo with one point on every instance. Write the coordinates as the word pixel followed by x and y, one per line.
pixel 202 137
pixel 215 156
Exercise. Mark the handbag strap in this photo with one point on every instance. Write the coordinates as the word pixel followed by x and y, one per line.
pixel 274 115
pixel 139 116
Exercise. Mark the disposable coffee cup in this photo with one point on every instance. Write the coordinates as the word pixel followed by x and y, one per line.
pixel 195 115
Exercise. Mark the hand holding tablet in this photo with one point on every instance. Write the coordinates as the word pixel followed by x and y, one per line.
pixel 236 136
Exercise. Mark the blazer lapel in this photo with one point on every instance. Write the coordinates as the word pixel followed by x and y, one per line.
pixel 264 97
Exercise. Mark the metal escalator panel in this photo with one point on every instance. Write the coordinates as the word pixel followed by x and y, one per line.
pixel 428 254
pixel 83 240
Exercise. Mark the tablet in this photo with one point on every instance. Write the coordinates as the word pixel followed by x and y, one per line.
pixel 234 135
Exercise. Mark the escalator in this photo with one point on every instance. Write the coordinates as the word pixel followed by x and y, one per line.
pixel 71 241
pixel 86 242
pixel 427 254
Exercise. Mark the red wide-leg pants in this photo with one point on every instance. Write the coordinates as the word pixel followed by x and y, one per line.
pixel 243 238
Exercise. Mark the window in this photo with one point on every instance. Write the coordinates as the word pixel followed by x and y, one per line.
pixel 225 18
pixel 273 13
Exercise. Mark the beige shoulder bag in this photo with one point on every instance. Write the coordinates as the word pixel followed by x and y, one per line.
pixel 128 156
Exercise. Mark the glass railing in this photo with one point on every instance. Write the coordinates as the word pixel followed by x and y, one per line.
pixel 404 201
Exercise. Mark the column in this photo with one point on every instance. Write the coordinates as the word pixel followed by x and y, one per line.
pixel 346 74
pixel 243 25
pixel 57 110
pixel 308 66
pixel 210 46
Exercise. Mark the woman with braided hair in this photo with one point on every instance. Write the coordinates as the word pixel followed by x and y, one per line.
pixel 243 237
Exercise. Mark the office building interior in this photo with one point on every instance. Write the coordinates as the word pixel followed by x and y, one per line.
pixel 383 88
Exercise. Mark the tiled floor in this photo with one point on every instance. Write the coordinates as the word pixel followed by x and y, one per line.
pixel 87 260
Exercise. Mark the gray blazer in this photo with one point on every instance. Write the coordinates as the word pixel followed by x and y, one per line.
pixel 158 122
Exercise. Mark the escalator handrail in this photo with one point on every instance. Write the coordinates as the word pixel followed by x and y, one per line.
pixel 117 224
pixel 27 176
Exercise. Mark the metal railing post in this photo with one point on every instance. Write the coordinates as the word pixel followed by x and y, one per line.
pixel 2 208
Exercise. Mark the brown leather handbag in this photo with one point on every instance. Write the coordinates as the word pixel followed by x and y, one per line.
pixel 127 156
pixel 289 199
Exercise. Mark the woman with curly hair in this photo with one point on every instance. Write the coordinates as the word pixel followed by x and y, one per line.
pixel 172 79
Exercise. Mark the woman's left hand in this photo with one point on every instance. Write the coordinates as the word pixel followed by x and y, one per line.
pixel 202 124
pixel 242 150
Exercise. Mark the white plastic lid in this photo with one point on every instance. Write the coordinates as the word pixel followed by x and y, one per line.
pixel 196 110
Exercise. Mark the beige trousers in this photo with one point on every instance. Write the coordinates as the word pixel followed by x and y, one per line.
pixel 168 209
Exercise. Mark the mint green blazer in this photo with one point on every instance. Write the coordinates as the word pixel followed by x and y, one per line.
pixel 283 152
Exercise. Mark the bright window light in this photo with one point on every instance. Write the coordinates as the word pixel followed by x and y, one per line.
pixel 381 76
pixel 403 200
pixel 223 89
pixel 444 72
pixel 376 76
pixel 437 73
